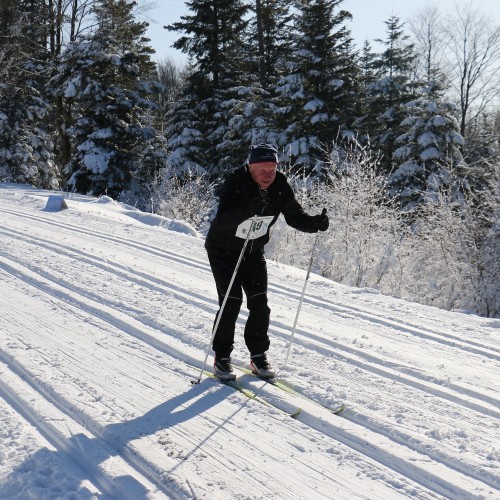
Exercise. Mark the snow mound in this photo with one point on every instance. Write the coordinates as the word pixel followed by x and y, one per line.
pixel 146 218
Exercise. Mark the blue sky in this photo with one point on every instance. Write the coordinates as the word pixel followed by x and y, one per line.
pixel 367 23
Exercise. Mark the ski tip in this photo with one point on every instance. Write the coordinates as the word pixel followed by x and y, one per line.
pixel 339 410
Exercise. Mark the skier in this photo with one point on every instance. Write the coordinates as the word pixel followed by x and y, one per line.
pixel 254 189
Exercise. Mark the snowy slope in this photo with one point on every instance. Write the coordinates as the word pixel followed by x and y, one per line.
pixel 105 317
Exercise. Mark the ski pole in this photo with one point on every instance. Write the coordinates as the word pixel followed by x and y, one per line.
pixel 301 299
pixel 216 326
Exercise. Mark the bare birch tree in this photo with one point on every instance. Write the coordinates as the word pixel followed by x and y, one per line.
pixel 474 51
pixel 426 28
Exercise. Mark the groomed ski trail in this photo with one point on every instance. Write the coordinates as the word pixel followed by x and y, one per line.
pixel 381 424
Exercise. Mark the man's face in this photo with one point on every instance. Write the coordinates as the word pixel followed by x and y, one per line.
pixel 263 173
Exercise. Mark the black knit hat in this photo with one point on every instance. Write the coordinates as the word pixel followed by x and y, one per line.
pixel 262 153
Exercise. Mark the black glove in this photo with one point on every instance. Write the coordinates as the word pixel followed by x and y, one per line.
pixel 322 221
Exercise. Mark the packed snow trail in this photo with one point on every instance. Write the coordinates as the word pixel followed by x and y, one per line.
pixel 105 318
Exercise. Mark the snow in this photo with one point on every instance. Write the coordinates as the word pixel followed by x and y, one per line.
pixel 318 118
pixel 406 169
pixel 314 105
pixel 430 154
pixel 122 211
pixel 97 159
pixel 427 138
pixel 441 121
pixel 106 314
pixel 456 138
pixel 71 90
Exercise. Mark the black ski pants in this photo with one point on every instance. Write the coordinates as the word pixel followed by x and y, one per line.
pixel 252 279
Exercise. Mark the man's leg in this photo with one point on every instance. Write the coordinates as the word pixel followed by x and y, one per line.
pixel 254 281
pixel 222 270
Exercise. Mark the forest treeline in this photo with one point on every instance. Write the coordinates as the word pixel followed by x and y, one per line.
pixel 400 143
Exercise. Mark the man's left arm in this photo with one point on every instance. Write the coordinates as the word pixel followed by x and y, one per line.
pixel 296 217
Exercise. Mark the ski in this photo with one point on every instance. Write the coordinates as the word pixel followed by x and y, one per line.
pixel 252 395
pixel 287 388
pixel 281 384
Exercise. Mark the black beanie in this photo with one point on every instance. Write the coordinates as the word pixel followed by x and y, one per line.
pixel 262 153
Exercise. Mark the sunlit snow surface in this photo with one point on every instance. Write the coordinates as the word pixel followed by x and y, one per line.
pixel 105 317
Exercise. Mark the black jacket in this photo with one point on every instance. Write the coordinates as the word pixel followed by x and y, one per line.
pixel 241 198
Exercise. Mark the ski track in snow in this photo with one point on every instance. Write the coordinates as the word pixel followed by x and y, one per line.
pixel 413 429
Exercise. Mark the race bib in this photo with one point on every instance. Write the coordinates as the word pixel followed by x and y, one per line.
pixel 256 226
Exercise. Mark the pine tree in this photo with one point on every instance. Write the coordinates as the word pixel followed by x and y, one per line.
pixel 393 88
pixel 318 88
pixel 199 135
pixel 252 116
pixel 364 120
pixel 270 40
pixel 428 157
pixel 104 78
pixel 26 148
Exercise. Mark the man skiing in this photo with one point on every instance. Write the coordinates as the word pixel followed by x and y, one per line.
pixel 254 189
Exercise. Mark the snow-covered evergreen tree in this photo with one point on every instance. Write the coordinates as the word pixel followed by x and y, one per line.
pixel 482 153
pixel 393 88
pixel 317 90
pixel 428 158
pixel 105 78
pixel 26 147
pixel 270 40
pixel 199 136
pixel 186 130
pixel 364 120
pixel 252 111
